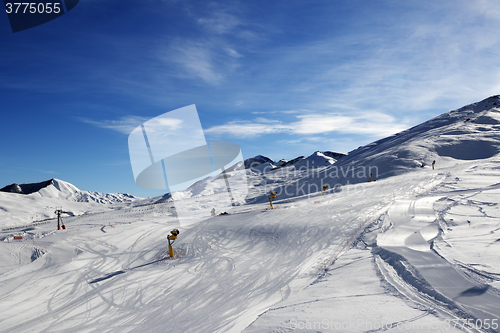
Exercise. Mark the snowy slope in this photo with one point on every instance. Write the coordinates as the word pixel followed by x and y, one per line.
pixel 107 276
pixel 469 133
pixel 383 252
pixel 256 161
pixel 264 164
pixel 317 159
pixel 281 162
pixel 263 167
pixel 63 190
pixel 25 188
pixel 58 189
pixel 23 209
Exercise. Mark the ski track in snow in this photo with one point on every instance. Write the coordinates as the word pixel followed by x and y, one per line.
pixel 109 272
pixel 414 221
pixel 231 267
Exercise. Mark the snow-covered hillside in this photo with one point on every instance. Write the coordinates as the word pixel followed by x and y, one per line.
pixel 261 163
pixel 59 189
pixel 42 198
pixel 316 160
pixel 469 133
pixel 412 250
pixel 257 160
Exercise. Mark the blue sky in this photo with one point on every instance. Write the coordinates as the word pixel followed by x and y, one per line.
pixel 279 78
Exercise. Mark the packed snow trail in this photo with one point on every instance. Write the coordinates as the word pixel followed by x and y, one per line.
pixel 229 268
pixel 352 298
pixel 414 226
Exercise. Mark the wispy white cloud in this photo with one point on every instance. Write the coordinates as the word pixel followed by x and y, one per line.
pixel 368 123
pixel 214 54
pixel 303 139
pixel 374 124
pixel 49 172
pixel 233 53
pixel 282 112
pixel 196 60
pixel 125 125
pixel 266 120
pixel 417 63
pixel 246 129
pixel 163 124
pixel 220 22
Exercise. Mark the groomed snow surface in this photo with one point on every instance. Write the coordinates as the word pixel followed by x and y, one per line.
pixel 415 251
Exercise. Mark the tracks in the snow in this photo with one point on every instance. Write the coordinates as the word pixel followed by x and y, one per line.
pixel 432 274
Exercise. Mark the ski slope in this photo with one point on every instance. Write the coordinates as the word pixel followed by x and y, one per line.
pixel 420 267
pixel 418 246
pixel 414 225
pixel 107 274
pixel 22 209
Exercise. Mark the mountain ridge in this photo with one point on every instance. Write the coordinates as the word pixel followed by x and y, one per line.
pixel 27 188
pixel 256 162
pixel 60 189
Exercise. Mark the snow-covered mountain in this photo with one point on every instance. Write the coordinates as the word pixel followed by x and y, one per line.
pixel 262 172
pixel 468 133
pixel 261 163
pixel 252 162
pixel 59 189
pixel 26 188
pixel 415 251
pixel 315 160
pixel 20 204
pixel 281 162
pixel 464 134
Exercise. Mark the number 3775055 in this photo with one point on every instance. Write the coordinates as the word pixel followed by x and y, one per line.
pixel 33 8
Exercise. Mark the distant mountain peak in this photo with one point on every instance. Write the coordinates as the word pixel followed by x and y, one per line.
pixel 257 160
pixel 56 188
pixel 331 154
pixel 261 162
pixel 26 188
